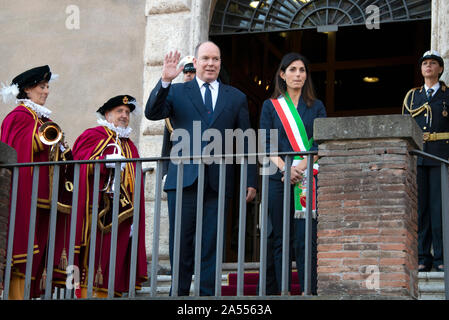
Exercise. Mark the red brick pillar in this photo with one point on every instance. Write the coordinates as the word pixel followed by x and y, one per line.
pixel 7 155
pixel 367 206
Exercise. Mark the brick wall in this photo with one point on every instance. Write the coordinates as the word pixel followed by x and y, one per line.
pixel 367 230
pixel 367 205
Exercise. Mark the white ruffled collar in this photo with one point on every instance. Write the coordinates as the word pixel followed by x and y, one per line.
pixel 120 131
pixel 41 111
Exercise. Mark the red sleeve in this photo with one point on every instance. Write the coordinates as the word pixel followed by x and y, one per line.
pixel 17 131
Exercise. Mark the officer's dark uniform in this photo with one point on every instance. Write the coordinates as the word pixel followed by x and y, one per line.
pixel 434 122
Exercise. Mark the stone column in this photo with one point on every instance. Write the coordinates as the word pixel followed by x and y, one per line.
pixel 440 33
pixel 367 205
pixel 7 155
pixel 171 25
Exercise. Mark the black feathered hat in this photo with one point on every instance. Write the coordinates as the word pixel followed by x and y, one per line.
pixel 122 100
pixel 32 77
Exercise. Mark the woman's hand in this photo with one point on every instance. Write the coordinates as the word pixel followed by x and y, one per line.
pixel 295 175
pixel 297 172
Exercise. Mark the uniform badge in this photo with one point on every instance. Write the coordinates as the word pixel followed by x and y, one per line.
pixel 444 112
pixel 125 100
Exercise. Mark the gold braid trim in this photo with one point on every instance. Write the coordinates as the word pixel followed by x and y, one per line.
pixel 168 125
pixel 419 110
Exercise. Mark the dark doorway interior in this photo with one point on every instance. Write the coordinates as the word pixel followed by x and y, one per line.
pixel 340 61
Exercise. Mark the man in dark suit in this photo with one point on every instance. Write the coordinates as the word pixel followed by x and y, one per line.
pixel 213 106
pixel 428 104
pixel 188 74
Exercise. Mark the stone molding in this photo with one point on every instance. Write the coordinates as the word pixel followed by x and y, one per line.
pixel 368 127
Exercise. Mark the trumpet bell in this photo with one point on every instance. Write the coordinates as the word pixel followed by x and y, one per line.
pixel 49 133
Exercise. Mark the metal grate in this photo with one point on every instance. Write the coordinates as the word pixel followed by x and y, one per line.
pixel 247 16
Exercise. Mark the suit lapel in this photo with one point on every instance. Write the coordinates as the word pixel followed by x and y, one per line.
pixel 193 91
pixel 439 92
pixel 221 101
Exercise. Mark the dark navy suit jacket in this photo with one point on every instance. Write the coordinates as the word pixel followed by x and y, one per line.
pixel 438 102
pixel 183 104
pixel 269 119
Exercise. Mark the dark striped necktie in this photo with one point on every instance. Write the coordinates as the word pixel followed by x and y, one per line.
pixel 429 94
pixel 208 101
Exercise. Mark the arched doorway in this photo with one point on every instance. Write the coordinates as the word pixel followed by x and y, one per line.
pixel 356 69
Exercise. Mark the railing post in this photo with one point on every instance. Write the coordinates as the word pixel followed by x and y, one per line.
pixel 52 232
pixel 156 228
pixel 445 223
pixel 93 231
pixel 263 230
pixel 177 235
pixel 74 214
pixel 242 228
pixel 114 231
pixel 286 270
pixel 308 228
pixel 31 233
pixel 135 233
pixel 199 229
pixel 220 226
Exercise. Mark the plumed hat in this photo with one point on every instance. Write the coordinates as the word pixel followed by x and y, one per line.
pixel 28 78
pixel 32 77
pixel 122 100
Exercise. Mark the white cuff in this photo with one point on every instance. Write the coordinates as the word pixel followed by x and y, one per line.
pixel 165 84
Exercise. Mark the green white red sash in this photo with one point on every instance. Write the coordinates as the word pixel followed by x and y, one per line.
pixel 297 136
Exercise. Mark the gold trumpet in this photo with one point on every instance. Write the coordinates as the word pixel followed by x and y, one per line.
pixel 50 133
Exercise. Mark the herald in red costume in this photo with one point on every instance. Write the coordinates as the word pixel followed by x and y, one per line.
pixel 19 130
pixel 92 145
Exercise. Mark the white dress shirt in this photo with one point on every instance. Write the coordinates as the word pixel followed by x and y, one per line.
pixel 213 89
pixel 435 88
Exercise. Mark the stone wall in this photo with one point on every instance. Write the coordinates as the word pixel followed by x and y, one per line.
pixel 367 204
pixel 97 59
pixel 7 155
pixel 440 33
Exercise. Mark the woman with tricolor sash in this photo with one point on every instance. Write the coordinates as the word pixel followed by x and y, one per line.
pixel 291 111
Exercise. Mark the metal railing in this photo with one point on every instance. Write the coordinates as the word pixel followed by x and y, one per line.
pixel 69 294
pixel 444 212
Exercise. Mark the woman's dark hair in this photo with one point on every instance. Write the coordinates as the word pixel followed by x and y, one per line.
pixel 23 95
pixel 280 87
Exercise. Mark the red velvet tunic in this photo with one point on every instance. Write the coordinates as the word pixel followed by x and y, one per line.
pixel 19 130
pixel 92 145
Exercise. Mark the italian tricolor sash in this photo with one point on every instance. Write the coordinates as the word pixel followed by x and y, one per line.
pixel 297 136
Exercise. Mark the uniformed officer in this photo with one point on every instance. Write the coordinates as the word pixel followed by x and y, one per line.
pixel 189 72
pixel 428 104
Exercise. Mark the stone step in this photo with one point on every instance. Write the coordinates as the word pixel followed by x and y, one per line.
pixel 164 283
pixel 431 286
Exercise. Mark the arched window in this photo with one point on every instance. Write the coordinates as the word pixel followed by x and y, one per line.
pixel 247 16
